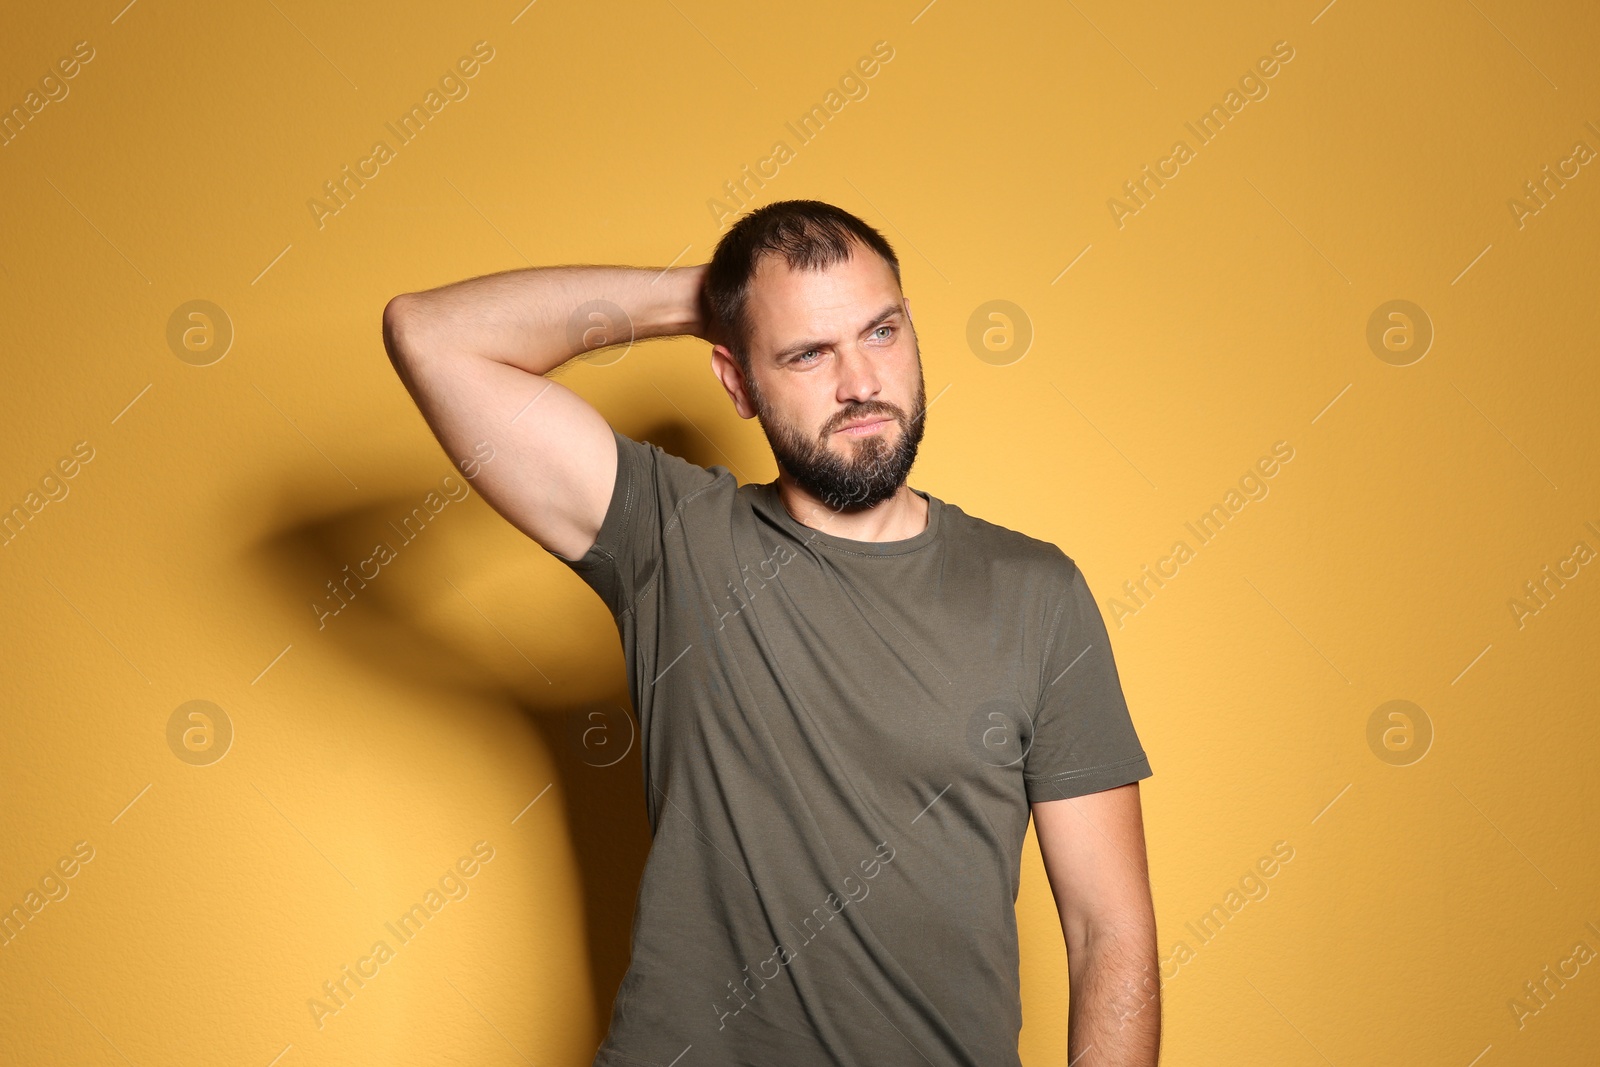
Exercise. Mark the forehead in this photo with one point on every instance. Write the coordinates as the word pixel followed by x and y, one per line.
pixel 782 303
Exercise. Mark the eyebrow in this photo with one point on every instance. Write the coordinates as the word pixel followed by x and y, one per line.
pixel 801 347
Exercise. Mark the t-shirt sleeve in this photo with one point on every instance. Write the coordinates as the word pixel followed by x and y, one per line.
pixel 651 485
pixel 1083 737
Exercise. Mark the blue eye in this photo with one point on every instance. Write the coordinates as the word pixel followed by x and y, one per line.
pixel 802 356
pixel 881 328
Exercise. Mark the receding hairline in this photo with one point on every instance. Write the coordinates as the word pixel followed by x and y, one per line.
pixel 807 234
pixel 855 243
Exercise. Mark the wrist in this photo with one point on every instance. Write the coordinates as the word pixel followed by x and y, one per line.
pixel 678 303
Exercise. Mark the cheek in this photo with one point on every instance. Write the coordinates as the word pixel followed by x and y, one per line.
pixel 909 384
pixel 803 404
pixel 814 417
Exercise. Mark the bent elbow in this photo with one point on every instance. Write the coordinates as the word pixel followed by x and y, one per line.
pixel 399 328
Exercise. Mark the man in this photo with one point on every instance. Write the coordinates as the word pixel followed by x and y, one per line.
pixel 850 693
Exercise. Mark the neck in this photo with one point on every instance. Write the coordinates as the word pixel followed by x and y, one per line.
pixel 899 518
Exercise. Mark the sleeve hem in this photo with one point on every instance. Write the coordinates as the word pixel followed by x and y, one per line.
pixel 1068 784
pixel 600 564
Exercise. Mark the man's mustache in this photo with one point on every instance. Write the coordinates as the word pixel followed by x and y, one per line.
pixel 886 410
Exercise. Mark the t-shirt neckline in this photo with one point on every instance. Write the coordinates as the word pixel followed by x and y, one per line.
pixel 775 505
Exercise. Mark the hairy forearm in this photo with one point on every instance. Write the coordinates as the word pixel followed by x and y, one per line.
pixel 1114 1017
pixel 538 318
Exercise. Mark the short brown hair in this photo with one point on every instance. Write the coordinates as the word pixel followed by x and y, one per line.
pixel 808 234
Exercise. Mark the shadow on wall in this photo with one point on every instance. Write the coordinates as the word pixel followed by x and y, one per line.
pixel 386 630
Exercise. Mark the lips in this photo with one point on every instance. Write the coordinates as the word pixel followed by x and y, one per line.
pixel 862 424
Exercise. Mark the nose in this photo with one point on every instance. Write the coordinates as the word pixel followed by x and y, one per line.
pixel 858 377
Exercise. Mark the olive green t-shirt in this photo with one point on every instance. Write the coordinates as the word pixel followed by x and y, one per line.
pixel 840 742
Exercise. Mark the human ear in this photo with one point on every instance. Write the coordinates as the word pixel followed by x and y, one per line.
pixel 726 369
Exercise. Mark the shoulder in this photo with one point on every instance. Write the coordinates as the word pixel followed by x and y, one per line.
pixel 1041 561
pixel 1040 582
pixel 673 476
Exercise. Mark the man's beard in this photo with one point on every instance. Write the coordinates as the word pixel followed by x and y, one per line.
pixel 875 470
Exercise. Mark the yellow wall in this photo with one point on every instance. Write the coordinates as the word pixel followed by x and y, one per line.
pixel 208 504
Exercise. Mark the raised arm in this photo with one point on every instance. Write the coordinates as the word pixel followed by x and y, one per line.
pixel 474 355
